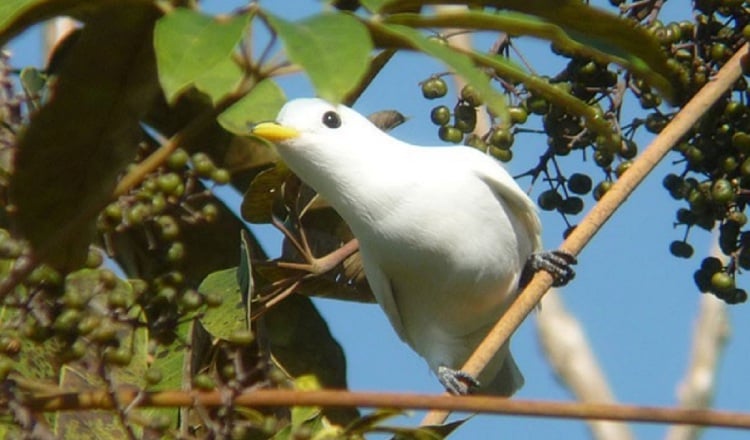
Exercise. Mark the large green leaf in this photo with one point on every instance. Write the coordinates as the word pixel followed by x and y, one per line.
pixel 333 49
pixel 262 103
pixel 74 148
pixel 390 35
pixel 192 47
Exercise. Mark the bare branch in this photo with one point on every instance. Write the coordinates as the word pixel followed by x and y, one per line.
pixel 567 349
pixel 709 338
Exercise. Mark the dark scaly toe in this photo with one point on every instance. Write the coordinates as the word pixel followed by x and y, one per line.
pixel 556 262
pixel 457 382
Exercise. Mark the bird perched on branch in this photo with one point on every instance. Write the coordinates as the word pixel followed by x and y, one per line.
pixel 445 234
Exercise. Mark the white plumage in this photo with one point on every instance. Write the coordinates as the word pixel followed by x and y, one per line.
pixel 444 233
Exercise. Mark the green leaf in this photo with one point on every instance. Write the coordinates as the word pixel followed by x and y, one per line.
pixel 76 146
pixel 459 62
pixel 221 322
pixel 192 47
pixel 262 103
pixel 220 79
pixel 334 50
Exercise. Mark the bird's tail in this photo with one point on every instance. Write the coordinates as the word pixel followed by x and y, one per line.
pixel 507 381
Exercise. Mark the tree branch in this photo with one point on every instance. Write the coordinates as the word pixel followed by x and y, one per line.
pixel 102 400
pixel 567 349
pixel 709 338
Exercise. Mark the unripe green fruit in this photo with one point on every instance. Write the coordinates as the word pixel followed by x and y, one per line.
pixel 178 159
pixel 471 96
pixel 440 115
pixel 722 191
pixel 711 265
pixel 655 122
pixel 450 134
pixel 221 176
pixel 434 88
pixel 501 138
pixel 722 281
pixel 518 115
pixel 120 356
pixel 204 382
pixel 501 154
pixel 202 164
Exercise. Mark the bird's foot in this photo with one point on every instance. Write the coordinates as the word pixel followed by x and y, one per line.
pixel 457 382
pixel 557 263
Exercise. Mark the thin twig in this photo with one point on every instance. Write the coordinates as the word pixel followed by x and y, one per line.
pixel 599 214
pixel 101 400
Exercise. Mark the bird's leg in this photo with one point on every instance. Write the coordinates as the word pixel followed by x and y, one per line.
pixel 457 382
pixel 557 263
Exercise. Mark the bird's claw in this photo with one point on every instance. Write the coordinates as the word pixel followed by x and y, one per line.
pixel 556 262
pixel 457 382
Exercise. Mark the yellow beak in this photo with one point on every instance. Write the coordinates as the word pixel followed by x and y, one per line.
pixel 274 132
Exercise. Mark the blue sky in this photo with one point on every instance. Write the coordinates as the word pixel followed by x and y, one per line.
pixel 636 302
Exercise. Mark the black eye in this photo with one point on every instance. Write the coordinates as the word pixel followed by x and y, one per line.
pixel 331 120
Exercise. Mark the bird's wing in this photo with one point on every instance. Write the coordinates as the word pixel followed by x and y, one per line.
pixel 523 207
pixel 383 289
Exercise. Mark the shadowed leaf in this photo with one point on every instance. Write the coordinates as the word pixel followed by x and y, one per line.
pixel 76 145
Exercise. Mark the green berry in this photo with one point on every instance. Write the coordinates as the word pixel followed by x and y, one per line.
pixel 178 159
pixel 501 138
pixel 440 115
pixel 434 88
pixel 518 115
pixel 571 206
pixel 471 96
pixel 221 176
pixel 722 281
pixel 448 133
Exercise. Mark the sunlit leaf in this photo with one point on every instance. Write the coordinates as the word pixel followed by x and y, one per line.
pixel 65 174
pixel 222 321
pixel 333 49
pixel 191 47
pixel 262 103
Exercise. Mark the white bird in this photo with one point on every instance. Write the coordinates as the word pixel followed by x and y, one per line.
pixel 445 234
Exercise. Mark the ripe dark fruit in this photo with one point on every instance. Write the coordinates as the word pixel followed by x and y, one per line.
pixel 537 105
pixel 434 88
pixel 571 206
pixel 465 117
pixel 579 183
pixel 440 115
pixel 681 249
pixel 549 200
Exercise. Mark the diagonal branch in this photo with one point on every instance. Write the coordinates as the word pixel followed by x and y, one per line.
pixel 600 213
